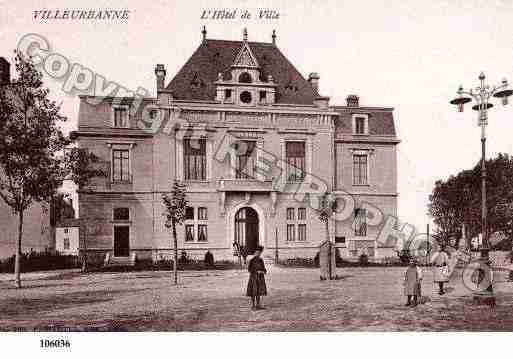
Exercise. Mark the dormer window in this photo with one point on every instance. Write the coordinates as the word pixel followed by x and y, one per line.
pixel 263 96
pixel 245 78
pixel 228 95
pixel 291 87
pixel 360 124
pixel 120 116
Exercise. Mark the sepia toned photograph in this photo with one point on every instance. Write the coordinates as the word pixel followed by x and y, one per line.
pixel 283 166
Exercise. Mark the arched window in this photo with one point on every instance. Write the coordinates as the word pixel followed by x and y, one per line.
pixel 245 78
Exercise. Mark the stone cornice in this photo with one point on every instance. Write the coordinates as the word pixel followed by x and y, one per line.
pixel 372 139
pixel 106 132
pixel 369 194
pixel 307 110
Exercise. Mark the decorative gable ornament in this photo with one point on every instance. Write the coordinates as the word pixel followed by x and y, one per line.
pixel 245 57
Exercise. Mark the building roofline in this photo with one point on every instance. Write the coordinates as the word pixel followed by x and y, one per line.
pixel 362 108
pixel 68 222
pixel 379 139
pixel 109 98
pixel 241 41
pixel 275 108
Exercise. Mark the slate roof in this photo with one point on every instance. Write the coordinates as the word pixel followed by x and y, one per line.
pixel 195 80
pixel 381 120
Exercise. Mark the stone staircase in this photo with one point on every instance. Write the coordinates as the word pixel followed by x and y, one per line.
pixel 268 260
pixel 111 261
pixel 269 263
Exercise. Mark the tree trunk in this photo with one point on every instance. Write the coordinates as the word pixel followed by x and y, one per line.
pixel 330 270
pixel 84 248
pixel 17 261
pixel 175 261
pixel 327 230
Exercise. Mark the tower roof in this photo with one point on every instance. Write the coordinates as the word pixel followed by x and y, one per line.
pixel 195 80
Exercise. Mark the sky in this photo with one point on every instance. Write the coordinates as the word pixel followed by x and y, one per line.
pixel 409 55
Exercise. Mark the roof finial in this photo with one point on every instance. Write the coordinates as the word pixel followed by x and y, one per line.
pixel 204 33
pixel 245 35
pixel 274 37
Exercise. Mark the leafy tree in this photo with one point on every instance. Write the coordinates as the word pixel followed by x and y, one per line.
pixel 176 204
pixel 457 201
pixel 60 208
pixel 33 164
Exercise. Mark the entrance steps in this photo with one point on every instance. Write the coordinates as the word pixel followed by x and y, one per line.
pixel 270 264
pixel 111 261
pixel 268 260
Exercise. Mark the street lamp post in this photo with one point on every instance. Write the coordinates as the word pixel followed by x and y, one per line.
pixel 482 95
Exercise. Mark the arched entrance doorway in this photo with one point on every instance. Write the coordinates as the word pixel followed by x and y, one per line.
pixel 246 229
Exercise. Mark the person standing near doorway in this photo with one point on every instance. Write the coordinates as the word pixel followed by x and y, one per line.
pixel 256 284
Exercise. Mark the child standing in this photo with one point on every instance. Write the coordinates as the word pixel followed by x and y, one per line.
pixel 256 284
pixel 441 269
pixel 412 283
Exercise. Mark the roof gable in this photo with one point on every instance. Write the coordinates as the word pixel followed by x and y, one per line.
pixel 245 57
pixel 195 80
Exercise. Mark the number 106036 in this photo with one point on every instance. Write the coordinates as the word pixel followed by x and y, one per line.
pixel 55 343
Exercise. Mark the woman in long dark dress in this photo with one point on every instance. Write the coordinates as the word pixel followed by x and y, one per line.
pixel 256 283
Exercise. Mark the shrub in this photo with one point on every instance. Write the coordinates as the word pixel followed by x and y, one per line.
pixel 363 259
pixel 184 258
pixel 404 255
pixel 142 264
pixel 40 261
pixel 164 264
pixel 209 259
pixel 338 257
pixel 392 261
pixel 316 260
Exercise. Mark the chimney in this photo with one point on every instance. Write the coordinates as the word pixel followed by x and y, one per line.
pixel 313 78
pixel 323 102
pixel 274 37
pixel 160 73
pixel 5 71
pixel 353 101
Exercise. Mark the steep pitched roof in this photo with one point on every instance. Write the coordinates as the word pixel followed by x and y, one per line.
pixel 195 80
pixel 381 121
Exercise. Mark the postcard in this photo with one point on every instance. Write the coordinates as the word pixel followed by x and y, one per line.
pixel 280 167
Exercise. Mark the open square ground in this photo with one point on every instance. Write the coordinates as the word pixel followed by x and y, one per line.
pixel 364 299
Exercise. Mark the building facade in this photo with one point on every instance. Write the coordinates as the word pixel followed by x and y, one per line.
pixel 254 142
pixel 67 237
